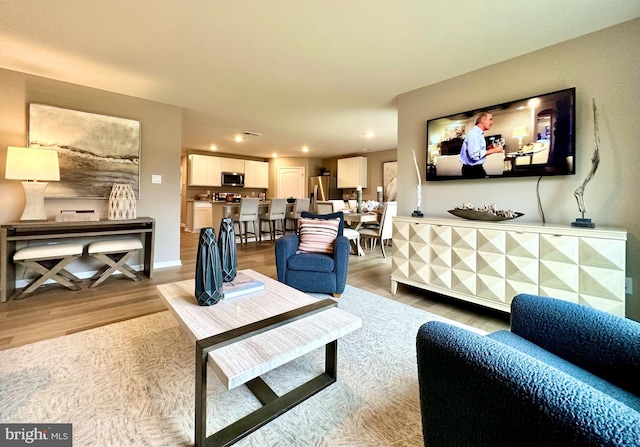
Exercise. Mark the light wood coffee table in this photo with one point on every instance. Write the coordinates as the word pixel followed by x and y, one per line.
pixel 244 337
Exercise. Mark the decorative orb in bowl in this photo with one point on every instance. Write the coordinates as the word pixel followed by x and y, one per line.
pixel 481 215
pixel 291 200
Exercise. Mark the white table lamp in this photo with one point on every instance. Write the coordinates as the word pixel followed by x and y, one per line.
pixel 519 133
pixel 35 167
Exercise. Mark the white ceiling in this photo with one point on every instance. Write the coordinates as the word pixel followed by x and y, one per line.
pixel 319 73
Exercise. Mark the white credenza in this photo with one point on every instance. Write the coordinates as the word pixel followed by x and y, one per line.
pixel 488 263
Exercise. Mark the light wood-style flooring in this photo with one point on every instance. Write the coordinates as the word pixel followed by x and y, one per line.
pixel 54 310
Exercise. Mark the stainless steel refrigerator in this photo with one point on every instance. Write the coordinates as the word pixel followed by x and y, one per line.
pixel 324 188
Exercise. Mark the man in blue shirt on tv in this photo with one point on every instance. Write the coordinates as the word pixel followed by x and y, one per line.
pixel 474 148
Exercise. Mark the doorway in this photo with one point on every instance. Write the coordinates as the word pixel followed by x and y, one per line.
pixel 291 182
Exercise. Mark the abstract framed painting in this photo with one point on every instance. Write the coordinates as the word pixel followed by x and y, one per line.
pixel 390 180
pixel 94 151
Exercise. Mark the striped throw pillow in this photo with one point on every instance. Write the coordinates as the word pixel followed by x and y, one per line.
pixel 317 235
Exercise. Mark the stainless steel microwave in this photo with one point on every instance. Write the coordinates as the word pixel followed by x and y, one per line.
pixel 232 179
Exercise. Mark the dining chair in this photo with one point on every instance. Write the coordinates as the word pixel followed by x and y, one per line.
pixel 385 230
pixel 276 213
pixel 324 207
pixel 248 212
pixel 338 205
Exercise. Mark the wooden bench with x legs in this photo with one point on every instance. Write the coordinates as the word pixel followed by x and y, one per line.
pixel 114 253
pixel 49 262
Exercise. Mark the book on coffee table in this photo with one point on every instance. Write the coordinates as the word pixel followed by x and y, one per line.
pixel 241 285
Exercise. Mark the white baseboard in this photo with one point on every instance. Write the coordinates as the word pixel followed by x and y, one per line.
pixel 167 264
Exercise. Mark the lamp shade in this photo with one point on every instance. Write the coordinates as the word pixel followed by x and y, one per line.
pixel 32 164
pixel 519 132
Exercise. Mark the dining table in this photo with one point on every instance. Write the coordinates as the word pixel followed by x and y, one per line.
pixel 357 220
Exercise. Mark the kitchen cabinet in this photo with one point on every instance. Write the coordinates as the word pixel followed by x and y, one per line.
pixel 488 263
pixel 232 165
pixel 204 170
pixel 199 215
pixel 352 172
pixel 256 174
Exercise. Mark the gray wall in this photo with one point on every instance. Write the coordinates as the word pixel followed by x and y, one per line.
pixel 161 140
pixel 603 65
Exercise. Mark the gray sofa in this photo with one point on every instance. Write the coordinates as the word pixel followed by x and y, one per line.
pixel 565 374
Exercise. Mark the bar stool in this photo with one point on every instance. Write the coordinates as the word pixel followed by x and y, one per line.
pixel 42 259
pixel 114 254
pixel 248 213
pixel 276 212
pixel 299 206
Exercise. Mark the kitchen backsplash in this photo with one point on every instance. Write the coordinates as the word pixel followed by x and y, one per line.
pixel 193 191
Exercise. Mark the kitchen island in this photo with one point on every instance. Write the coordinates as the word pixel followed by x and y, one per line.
pixel 225 209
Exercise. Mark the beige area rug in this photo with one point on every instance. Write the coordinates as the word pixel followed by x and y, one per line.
pixel 132 384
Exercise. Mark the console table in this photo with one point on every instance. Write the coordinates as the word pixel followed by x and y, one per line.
pixel 13 232
pixel 488 263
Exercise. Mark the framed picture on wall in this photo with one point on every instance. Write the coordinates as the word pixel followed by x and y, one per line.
pixel 94 151
pixel 390 180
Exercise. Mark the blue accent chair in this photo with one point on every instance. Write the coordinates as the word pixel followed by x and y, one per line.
pixel 565 375
pixel 314 272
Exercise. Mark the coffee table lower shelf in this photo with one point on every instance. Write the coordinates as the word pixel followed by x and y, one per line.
pixel 273 405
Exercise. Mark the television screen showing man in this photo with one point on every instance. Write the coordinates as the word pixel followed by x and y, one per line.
pixel 474 149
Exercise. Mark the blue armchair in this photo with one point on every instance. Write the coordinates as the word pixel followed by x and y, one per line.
pixel 565 374
pixel 314 272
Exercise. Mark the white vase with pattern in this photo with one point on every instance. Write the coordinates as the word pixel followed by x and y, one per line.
pixel 122 202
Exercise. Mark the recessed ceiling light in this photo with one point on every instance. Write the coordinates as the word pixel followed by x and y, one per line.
pixel 239 139
pixel 274 155
pixel 305 148
pixel 369 134
pixel 213 147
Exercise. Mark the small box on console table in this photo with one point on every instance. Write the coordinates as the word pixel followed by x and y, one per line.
pixel 77 216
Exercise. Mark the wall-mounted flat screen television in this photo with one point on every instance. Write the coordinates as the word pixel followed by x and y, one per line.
pixel 537 136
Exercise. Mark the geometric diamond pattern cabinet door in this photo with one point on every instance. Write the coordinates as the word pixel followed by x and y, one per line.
pixel 439 256
pixel 401 249
pixel 559 267
pixel 491 256
pixel 463 260
pixel 418 252
pixel 522 267
pixel 601 274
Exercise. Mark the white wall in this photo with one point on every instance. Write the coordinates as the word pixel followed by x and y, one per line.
pixel 603 65
pixel 161 136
